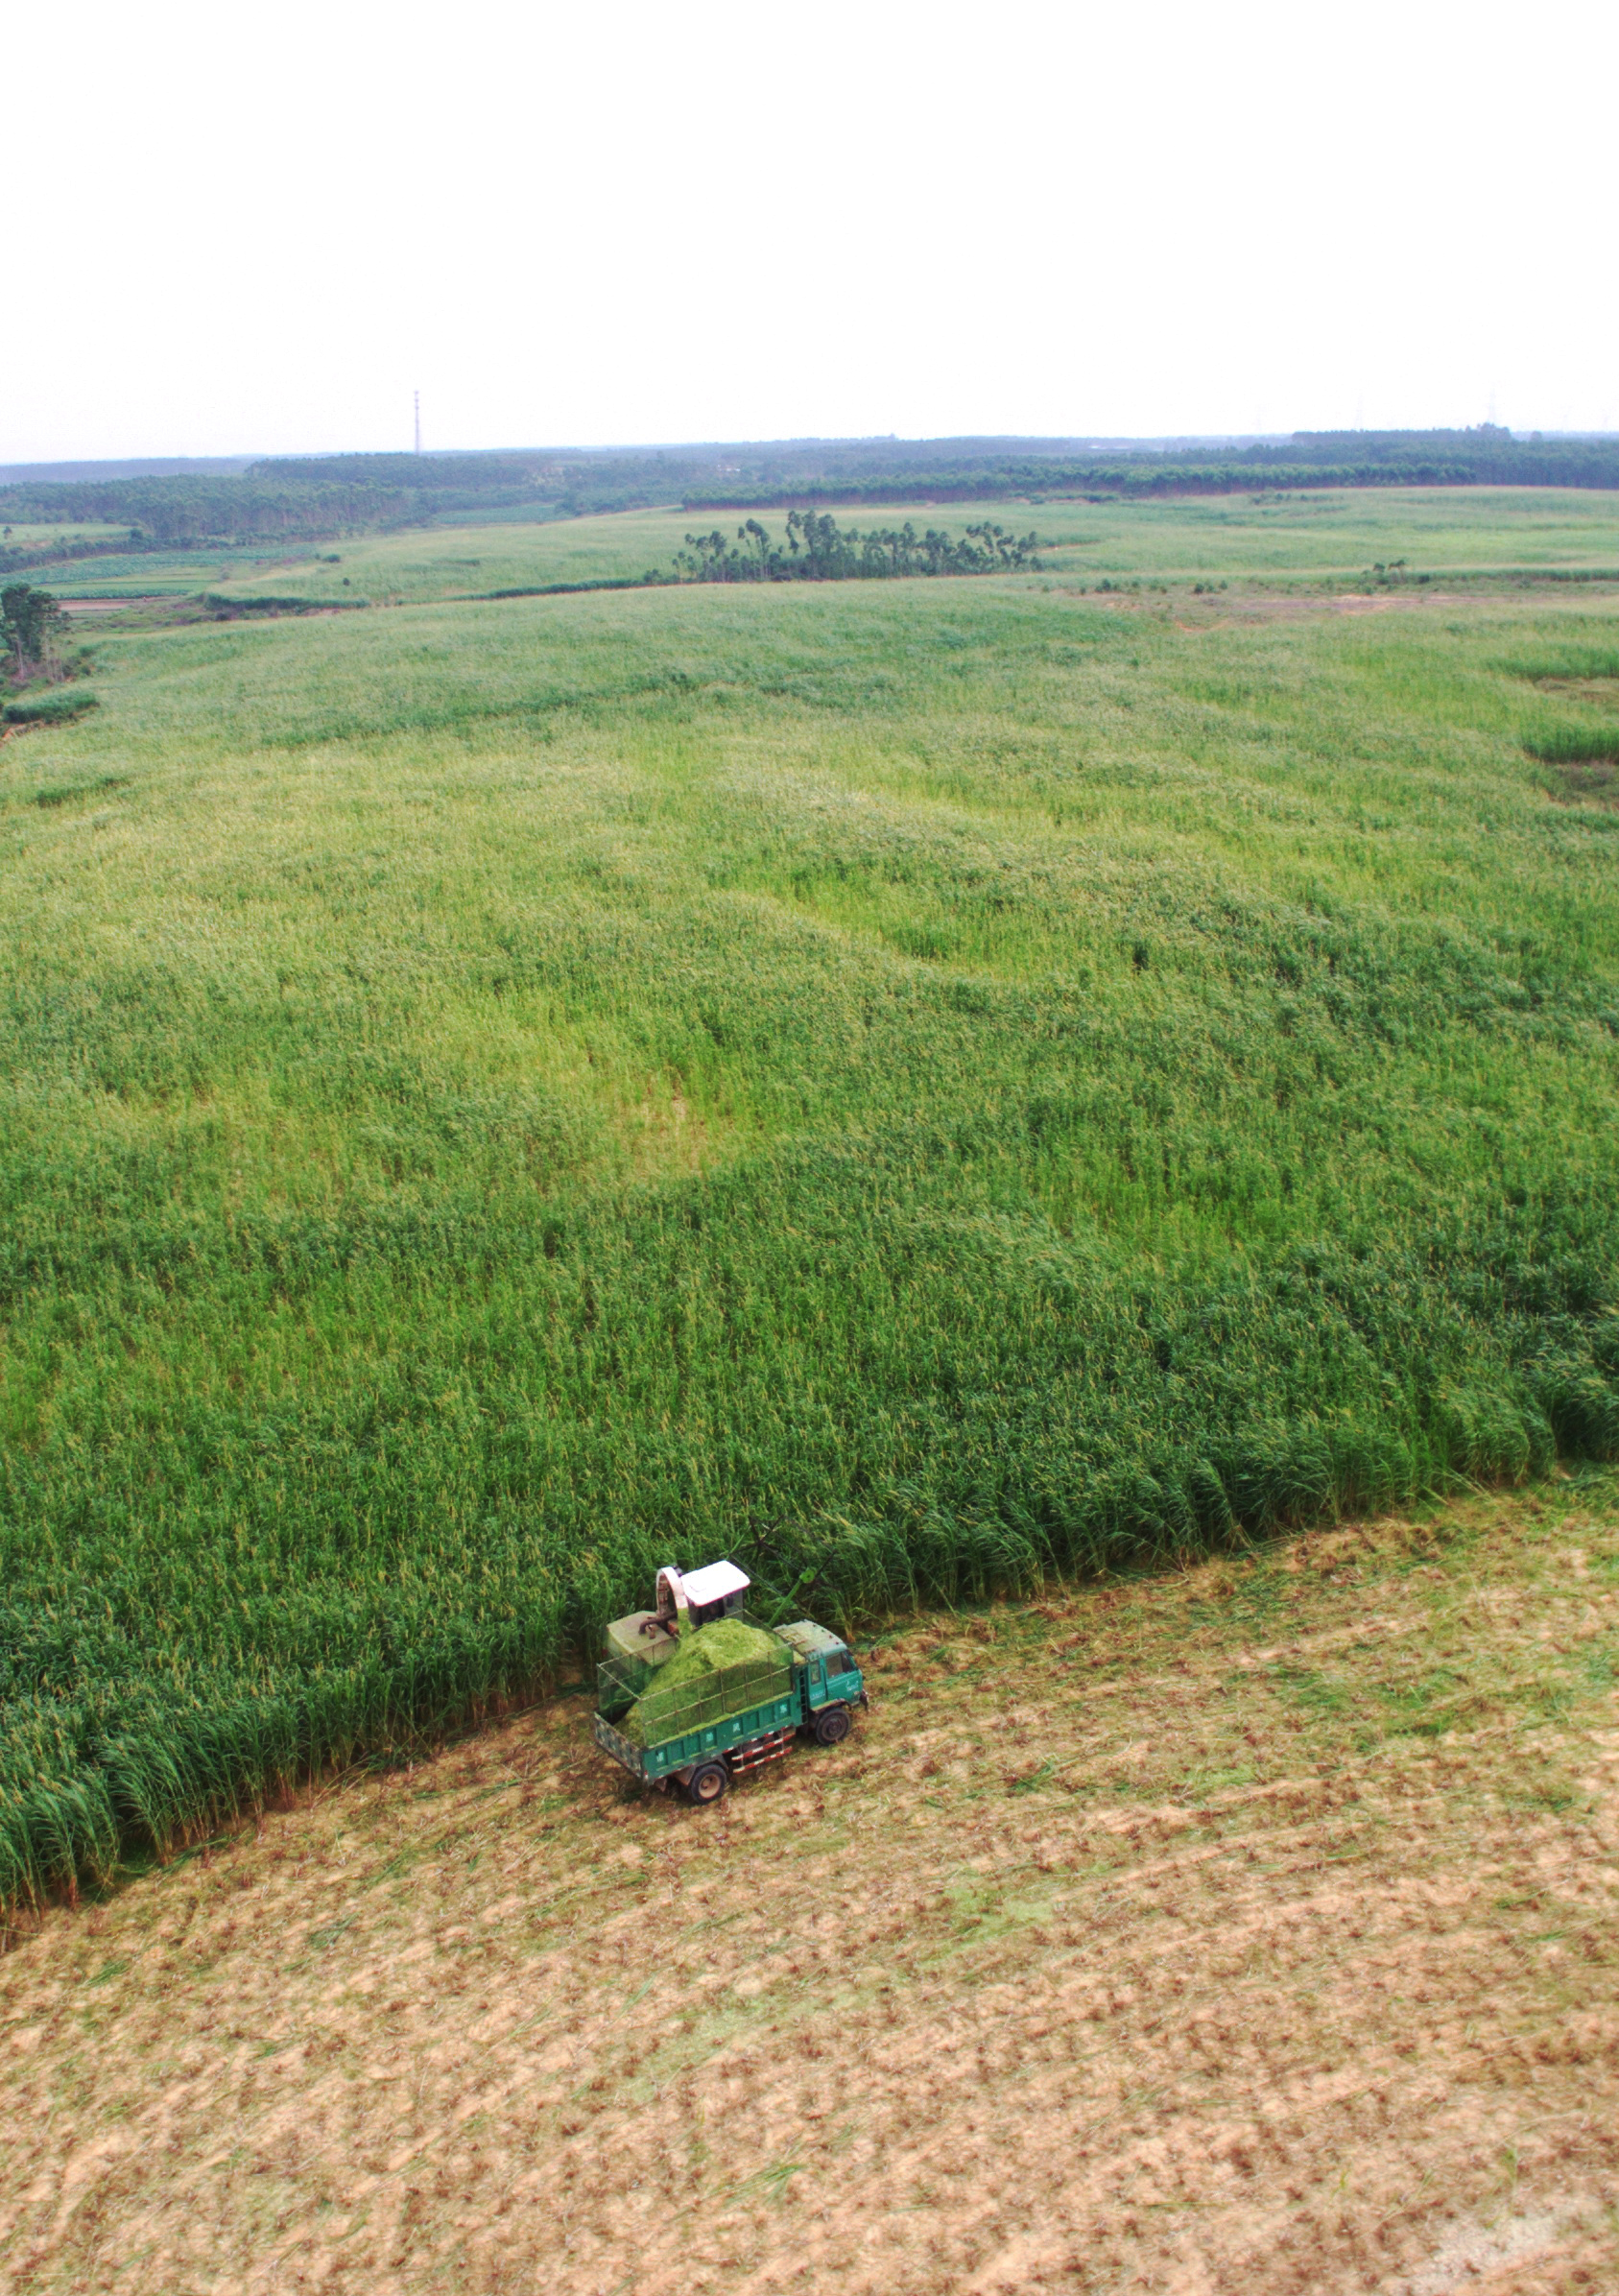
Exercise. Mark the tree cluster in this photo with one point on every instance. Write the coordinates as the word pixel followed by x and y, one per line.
pixel 817 549
pixel 31 628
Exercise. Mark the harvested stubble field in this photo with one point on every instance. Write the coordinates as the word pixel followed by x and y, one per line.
pixel 930 1084
pixel 1246 1932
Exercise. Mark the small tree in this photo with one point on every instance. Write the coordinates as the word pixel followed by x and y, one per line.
pixel 31 629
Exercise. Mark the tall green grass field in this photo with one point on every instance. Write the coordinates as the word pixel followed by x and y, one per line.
pixel 913 1086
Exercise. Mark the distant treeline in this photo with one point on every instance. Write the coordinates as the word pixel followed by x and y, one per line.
pixel 161 512
pixel 1489 456
pixel 819 550
pixel 291 498
pixel 310 498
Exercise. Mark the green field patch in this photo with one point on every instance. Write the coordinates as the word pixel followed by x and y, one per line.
pixel 928 1084
pixel 1319 1695
pixel 68 793
pixel 57 705
pixel 1333 535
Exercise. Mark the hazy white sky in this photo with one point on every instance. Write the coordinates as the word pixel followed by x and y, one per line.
pixel 260 229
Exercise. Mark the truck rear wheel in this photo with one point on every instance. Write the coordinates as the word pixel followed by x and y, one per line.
pixel 831 1726
pixel 708 1783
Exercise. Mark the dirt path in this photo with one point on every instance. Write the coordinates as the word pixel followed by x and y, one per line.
pixel 1251 1931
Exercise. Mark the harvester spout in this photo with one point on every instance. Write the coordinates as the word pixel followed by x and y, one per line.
pixel 673 1610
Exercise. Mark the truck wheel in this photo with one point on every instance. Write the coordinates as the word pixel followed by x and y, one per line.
pixel 708 1783
pixel 831 1726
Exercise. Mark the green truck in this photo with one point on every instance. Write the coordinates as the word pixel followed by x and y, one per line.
pixel 735 1694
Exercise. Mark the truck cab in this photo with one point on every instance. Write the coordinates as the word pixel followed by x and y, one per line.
pixel 830 1680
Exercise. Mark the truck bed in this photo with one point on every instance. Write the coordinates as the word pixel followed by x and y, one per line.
pixel 717 1736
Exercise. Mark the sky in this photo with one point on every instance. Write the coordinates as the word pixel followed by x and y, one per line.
pixel 261 231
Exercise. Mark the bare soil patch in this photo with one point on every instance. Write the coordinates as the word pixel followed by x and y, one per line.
pixel 1603 691
pixel 1247 1931
pixel 92 609
pixel 1591 781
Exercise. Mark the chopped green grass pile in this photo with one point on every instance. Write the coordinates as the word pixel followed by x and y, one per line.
pixel 922 1084
pixel 686 1683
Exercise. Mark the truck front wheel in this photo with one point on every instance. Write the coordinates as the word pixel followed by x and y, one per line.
pixel 707 1782
pixel 831 1726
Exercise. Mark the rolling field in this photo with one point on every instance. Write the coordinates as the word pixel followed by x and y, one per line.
pixel 1242 1932
pixel 1300 538
pixel 927 1084
pixel 182 572
pixel 1327 536
pixel 17 536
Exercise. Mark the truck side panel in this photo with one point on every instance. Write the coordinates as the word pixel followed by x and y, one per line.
pixel 651 1762
pixel 734 1730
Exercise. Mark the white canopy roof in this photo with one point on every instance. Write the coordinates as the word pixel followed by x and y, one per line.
pixel 714 1582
